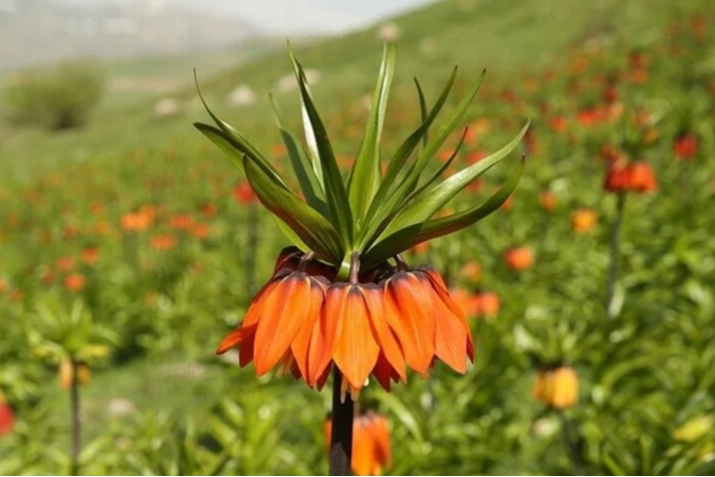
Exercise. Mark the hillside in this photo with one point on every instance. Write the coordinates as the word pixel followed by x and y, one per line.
pixel 39 31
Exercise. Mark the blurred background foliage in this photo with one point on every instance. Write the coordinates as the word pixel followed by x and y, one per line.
pixel 138 237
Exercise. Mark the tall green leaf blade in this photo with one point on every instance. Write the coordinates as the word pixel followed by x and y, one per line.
pixel 412 235
pixel 335 193
pixel 235 151
pixel 307 125
pixel 237 139
pixel 311 227
pixel 365 177
pixel 423 110
pixel 429 202
pixel 309 184
pixel 406 149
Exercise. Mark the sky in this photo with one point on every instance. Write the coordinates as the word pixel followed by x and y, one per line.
pixel 293 16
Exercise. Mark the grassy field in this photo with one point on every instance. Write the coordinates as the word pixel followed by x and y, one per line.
pixel 162 297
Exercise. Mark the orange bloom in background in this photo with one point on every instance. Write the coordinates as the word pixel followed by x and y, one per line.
pixel 3 285
pixel 487 304
pixel 102 228
pixel 371 443
pixel 135 222
pixel 583 220
pixel 476 156
pixel 209 210
pixel 519 258
pixel 559 124
pixel 508 204
pixel 181 221
pixel 65 264
pixel 200 231
pixel 7 416
pixel 90 255
pixel 465 301
pixel 472 271
pixel 163 242
pixel 421 247
pixel 642 178
pixel 444 154
pixel 548 200
pixel 302 323
pixel 686 146
pixel 617 177
pixel 244 193
pixel 74 282
pixel 65 374
pixel 557 387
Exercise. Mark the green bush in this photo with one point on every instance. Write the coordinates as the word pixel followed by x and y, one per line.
pixel 56 99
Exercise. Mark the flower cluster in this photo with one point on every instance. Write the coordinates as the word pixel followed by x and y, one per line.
pixel 378 323
pixel 557 387
pixel 630 177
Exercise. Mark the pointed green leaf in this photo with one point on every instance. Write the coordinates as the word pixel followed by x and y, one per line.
pixel 335 193
pixel 311 227
pixel 405 150
pixel 235 151
pixel 412 235
pixel 237 139
pixel 423 110
pixel 365 177
pixel 307 125
pixel 429 202
pixel 307 180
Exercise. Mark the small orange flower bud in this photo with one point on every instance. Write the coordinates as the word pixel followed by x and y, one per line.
pixel 557 387
pixel 519 258
pixel 583 220
pixel 548 200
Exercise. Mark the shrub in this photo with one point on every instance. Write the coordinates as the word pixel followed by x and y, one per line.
pixel 56 99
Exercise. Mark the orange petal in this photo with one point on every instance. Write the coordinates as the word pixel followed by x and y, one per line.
pixel 383 371
pixel 450 337
pixel 375 298
pixel 357 350
pixel 284 311
pixel 363 458
pixel 457 311
pixel 323 339
pixel 301 343
pixel 233 339
pixel 245 350
pixel 410 315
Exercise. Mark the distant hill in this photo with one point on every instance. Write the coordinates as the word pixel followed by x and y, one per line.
pixel 40 31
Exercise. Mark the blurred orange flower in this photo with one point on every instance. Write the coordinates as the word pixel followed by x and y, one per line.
pixel 519 258
pixel 583 220
pixel 74 282
pixel 90 255
pixel 371 443
pixel 163 242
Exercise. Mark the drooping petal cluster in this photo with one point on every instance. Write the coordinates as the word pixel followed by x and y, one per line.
pixel 630 177
pixel 371 443
pixel 390 320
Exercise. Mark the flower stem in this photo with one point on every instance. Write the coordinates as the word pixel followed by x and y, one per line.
pixel 615 253
pixel 341 442
pixel 76 422
pixel 570 443
pixel 252 248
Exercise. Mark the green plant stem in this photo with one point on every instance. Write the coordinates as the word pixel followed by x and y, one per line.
pixel 615 244
pixel 570 443
pixel 76 422
pixel 341 442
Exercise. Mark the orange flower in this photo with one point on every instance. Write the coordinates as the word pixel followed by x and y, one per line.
pixel 74 282
pixel 559 124
pixel 548 200
pixel 135 222
pixel 686 146
pixel 163 242
pixel 617 177
pixel 244 193
pixel 65 264
pixel 487 304
pixel 305 324
pixel 90 255
pixel 641 177
pixel 464 301
pixel 3 285
pixel 209 209
pixel 583 220
pixel 421 247
pixel 181 221
pixel 65 374
pixel 557 387
pixel 371 443
pixel 519 258
pixel 7 416
pixel 200 231
pixel 472 270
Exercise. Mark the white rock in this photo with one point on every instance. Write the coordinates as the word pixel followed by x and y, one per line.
pixel 242 95
pixel 288 83
pixel 166 107
pixel 389 31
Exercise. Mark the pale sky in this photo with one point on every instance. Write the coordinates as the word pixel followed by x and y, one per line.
pixel 292 16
